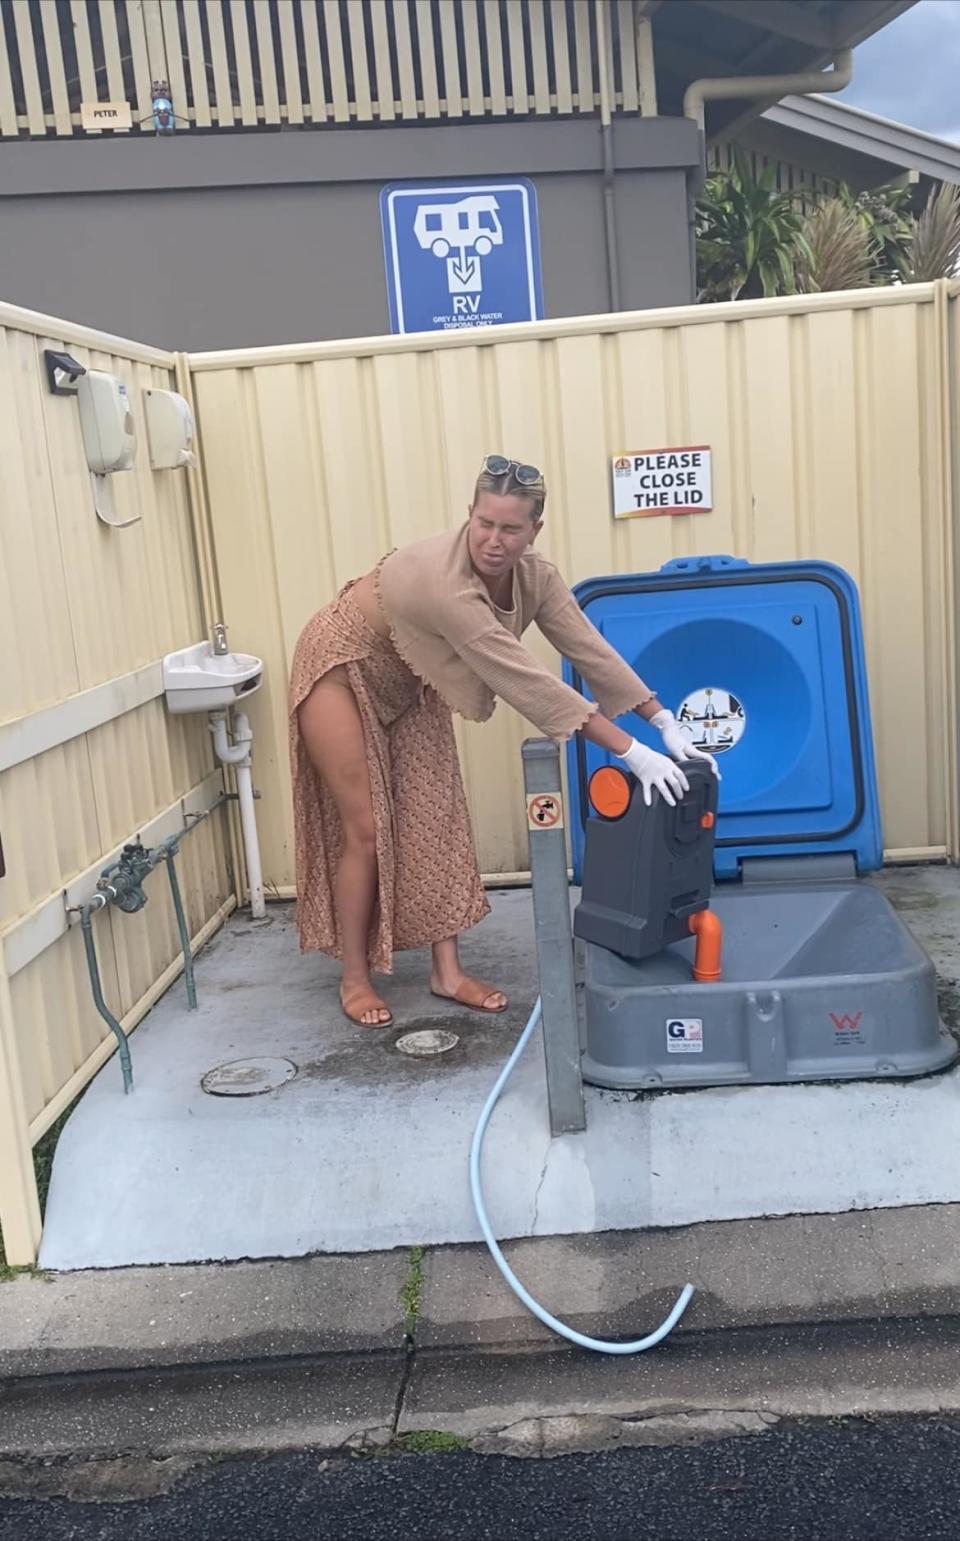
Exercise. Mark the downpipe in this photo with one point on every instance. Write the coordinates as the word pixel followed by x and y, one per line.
pixel 240 756
pixel 734 87
pixel 609 163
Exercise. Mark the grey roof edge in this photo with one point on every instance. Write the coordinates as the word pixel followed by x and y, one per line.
pixel 867 134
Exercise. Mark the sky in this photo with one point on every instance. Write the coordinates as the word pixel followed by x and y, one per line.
pixel 910 70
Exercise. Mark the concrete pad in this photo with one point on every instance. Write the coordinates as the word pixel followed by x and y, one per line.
pixel 345 1157
pixel 747 1273
pixel 366 1150
pixel 134 1318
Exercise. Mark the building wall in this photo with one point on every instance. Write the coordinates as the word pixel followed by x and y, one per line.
pixel 812 161
pixel 258 239
pixel 809 187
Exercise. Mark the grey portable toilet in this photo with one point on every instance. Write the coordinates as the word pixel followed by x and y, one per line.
pixel 647 870
pixel 821 980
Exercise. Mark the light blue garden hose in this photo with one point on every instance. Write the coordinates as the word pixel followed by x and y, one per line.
pixel 598 1345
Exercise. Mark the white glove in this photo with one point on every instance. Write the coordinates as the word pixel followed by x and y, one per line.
pixel 676 743
pixel 655 770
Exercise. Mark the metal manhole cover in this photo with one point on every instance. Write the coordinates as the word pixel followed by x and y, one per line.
pixel 248 1077
pixel 426 1041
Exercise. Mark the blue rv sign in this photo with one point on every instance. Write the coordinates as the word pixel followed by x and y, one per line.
pixel 461 255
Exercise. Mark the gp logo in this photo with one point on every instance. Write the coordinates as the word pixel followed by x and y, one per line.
pixel 684 1035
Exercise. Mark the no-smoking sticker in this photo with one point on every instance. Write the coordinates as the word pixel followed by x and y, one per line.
pixel 545 811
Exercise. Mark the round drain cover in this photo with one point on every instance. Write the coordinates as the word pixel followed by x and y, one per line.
pixel 428 1040
pixel 248 1077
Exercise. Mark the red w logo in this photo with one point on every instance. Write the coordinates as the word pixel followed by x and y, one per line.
pixel 846 1023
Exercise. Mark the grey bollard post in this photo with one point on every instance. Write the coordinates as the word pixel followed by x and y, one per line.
pixel 554 938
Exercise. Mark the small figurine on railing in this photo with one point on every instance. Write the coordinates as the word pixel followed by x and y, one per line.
pixel 163 116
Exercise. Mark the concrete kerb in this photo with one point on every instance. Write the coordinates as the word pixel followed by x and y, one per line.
pixel 865 1265
pixel 689 1389
pixel 878 1265
pixel 134 1319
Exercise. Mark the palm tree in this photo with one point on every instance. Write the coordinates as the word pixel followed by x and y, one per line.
pixel 841 253
pixel 753 240
pixel 748 234
pixel 934 246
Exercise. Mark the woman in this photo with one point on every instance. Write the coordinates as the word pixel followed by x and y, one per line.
pixel 385 858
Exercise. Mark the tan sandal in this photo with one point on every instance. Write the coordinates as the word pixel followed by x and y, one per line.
pixel 361 1000
pixel 474 994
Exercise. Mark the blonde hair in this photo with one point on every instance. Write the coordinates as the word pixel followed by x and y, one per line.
pixel 507 486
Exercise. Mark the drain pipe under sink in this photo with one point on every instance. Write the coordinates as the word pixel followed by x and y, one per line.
pixel 240 756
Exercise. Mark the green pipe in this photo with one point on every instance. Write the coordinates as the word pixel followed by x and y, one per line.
pixel 170 852
pixel 86 926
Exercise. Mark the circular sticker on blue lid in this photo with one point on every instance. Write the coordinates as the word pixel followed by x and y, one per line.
pixel 713 719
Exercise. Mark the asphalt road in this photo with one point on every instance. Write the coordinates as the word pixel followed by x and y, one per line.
pixel 890 1480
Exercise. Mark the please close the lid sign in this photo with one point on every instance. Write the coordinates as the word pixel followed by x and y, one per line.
pixel 662 481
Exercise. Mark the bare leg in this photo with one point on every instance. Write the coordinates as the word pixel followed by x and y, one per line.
pixel 332 732
pixel 448 979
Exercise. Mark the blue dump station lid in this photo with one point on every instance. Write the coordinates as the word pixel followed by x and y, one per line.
pixel 764 667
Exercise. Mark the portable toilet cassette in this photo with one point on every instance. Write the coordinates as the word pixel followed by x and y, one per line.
pixel 816 977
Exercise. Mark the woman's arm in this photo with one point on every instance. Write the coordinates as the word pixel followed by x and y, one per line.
pixel 606 735
pixel 617 687
pixel 511 672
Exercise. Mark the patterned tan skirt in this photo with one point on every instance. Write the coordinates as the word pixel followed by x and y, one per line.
pixel 429 885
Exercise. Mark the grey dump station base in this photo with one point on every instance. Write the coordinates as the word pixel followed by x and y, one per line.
pixel 816 977
pixel 821 981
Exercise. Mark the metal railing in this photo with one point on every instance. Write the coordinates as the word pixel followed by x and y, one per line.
pixel 243 64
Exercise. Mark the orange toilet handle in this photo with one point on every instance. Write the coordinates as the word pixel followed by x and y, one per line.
pixel 708 930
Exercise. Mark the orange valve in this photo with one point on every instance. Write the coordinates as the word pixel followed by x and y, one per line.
pixel 609 792
pixel 708 930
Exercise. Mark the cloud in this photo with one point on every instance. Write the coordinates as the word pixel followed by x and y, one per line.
pixel 910 70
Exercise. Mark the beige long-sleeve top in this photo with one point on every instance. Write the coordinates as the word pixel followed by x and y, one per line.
pixel 447 629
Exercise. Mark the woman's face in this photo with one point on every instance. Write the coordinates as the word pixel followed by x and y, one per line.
pixel 501 530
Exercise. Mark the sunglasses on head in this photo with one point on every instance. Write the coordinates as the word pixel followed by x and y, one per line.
pixel 499 465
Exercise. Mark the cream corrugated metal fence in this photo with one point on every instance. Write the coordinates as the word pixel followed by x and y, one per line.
pixel 86 613
pixel 253 63
pixel 833 423
pixel 824 415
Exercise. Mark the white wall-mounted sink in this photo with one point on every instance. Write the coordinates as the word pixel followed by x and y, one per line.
pixel 196 679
